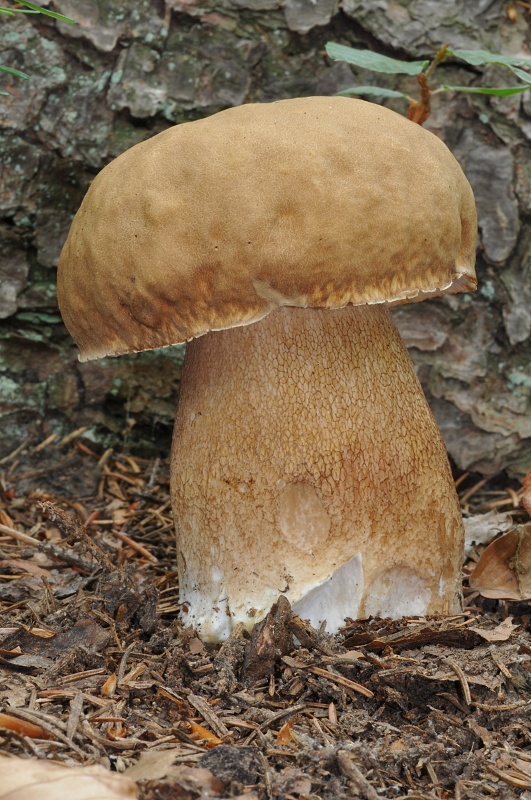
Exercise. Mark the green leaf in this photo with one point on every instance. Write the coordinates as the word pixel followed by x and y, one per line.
pixel 478 57
pixel 507 91
pixel 16 72
pixel 377 91
pixel 8 11
pixel 38 10
pixel 374 61
pixel 524 76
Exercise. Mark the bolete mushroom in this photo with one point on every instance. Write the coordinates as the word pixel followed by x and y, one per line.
pixel 305 460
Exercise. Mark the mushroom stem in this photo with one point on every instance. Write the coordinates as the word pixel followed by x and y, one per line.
pixel 306 462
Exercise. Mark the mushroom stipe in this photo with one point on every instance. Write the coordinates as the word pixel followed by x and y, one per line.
pixel 305 458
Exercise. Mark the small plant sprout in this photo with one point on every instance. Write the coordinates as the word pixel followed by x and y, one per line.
pixel 419 110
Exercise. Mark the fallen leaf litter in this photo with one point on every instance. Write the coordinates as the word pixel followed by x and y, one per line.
pixel 96 669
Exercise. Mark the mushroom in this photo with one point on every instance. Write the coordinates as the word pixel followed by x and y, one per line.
pixel 305 460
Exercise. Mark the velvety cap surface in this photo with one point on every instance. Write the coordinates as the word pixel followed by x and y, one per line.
pixel 319 201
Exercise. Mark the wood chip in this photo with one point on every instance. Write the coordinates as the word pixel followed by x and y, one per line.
pixel 208 714
pixel 331 676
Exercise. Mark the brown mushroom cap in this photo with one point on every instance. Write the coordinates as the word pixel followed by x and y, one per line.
pixel 319 201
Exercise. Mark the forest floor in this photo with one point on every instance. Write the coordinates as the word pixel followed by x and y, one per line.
pixel 95 667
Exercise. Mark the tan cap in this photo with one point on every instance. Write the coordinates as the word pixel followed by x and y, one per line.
pixel 317 201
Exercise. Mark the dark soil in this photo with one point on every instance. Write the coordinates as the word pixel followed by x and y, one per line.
pixel 92 653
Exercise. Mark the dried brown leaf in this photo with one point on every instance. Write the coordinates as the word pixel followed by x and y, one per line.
pixel 197 780
pixel 526 496
pixel 500 633
pixel 484 528
pixel 25 566
pixel 154 765
pixel 29 779
pixel 504 570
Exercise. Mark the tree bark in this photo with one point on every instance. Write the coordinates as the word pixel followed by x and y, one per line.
pixel 127 71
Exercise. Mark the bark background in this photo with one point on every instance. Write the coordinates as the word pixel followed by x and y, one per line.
pixel 129 70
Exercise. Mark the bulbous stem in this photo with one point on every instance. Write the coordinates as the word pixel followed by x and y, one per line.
pixel 307 462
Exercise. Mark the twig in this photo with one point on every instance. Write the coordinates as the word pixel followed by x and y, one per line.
pixel 513 780
pixel 315 722
pixel 118 744
pixel 21 537
pixel 76 707
pixel 52 550
pixel 36 473
pixel 473 489
pixel 286 712
pixel 501 666
pixel 208 715
pixel 75 531
pixel 331 676
pixel 267 776
pixel 258 731
pixel 73 435
pixel 143 551
pixel 462 680
pixel 350 770
pixel 15 452
pixel 52 726
pixel 42 445
pixel 123 663
pixel 153 475
pixel 495 708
